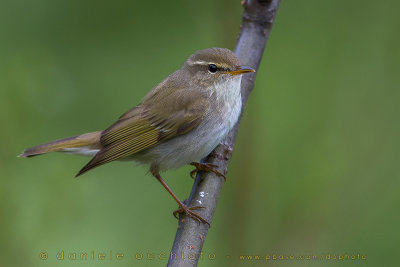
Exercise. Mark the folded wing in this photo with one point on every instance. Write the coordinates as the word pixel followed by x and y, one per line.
pixel 162 115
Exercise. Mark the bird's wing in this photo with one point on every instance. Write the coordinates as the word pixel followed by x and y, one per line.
pixel 162 115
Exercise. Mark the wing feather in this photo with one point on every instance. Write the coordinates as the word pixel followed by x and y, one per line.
pixel 148 124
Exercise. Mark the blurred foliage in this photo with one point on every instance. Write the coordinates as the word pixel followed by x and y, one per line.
pixel 316 164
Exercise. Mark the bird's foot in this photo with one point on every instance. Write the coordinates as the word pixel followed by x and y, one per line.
pixel 207 167
pixel 189 212
pixel 183 208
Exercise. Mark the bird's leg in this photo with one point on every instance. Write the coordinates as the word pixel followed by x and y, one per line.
pixel 207 167
pixel 182 207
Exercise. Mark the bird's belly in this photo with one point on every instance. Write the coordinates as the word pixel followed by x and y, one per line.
pixel 192 146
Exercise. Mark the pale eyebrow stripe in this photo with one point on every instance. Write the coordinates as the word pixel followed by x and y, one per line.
pixel 199 62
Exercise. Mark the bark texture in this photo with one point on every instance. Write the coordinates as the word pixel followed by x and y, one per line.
pixel 258 18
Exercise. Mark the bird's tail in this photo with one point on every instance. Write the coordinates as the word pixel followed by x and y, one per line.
pixel 85 144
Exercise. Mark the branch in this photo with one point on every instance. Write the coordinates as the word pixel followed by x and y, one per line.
pixel 258 18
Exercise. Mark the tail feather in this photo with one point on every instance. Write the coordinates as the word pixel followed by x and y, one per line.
pixel 80 144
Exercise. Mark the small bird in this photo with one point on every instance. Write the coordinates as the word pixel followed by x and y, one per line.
pixel 179 122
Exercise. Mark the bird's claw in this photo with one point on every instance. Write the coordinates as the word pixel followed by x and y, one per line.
pixel 208 167
pixel 189 212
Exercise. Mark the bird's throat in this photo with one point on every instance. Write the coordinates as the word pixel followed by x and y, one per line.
pixel 227 90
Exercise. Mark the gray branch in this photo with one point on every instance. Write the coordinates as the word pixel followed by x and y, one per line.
pixel 258 18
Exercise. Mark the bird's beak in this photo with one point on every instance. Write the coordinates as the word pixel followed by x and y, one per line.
pixel 240 70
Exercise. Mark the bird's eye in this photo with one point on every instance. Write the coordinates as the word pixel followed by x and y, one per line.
pixel 212 68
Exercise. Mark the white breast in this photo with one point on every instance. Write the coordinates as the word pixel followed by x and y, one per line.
pixel 198 143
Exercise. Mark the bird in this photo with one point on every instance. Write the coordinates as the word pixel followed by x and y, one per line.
pixel 178 122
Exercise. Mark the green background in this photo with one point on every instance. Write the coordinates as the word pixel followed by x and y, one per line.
pixel 315 170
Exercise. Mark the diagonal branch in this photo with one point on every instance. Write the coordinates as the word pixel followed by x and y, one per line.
pixel 258 18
